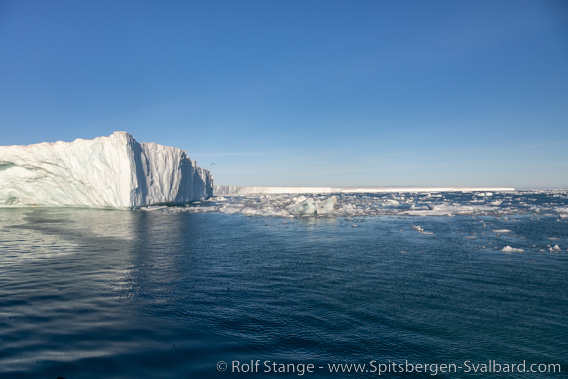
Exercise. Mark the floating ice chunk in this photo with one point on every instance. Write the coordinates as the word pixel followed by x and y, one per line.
pixel 418 228
pixel 445 209
pixel 347 209
pixel 556 248
pixel 509 249
pixel 501 231
pixel 306 207
pixel 153 208
pixel 485 194
pixel 265 212
pixel 328 206
pixel 313 207
pixel 562 212
pixel 299 199
pixel 391 202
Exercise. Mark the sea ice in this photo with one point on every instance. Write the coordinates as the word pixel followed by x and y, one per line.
pixel 509 249
pixel 501 231
pixel 556 248
pixel 313 207
pixel 360 204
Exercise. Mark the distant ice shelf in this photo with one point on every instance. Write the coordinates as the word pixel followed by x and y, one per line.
pixel 241 190
pixel 114 171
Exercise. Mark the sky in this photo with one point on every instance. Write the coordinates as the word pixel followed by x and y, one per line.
pixel 301 93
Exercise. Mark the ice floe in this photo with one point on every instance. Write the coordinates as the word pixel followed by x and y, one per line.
pixel 512 205
pixel 509 249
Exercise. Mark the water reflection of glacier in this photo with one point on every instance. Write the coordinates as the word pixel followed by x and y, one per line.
pixel 42 233
pixel 356 204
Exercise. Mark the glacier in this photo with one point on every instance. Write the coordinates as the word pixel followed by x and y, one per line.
pixel 105 172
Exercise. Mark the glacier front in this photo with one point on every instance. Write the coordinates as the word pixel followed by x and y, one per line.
pixel 114 171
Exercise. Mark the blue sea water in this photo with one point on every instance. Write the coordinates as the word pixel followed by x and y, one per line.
pixel 88 293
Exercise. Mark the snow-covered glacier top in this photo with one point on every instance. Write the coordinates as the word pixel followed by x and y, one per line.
pixel 114 171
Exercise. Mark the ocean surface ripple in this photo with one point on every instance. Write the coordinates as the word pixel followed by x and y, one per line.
pixel 167 294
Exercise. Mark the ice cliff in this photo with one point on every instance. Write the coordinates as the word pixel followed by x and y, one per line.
pixel 114 171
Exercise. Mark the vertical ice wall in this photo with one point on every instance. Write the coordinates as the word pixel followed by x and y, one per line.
pixel 114 171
